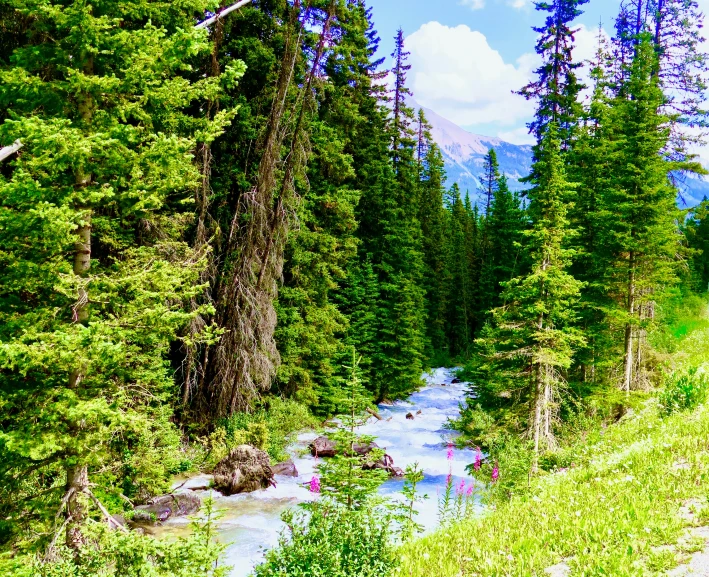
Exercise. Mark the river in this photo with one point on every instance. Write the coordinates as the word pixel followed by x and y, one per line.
pixel 251 523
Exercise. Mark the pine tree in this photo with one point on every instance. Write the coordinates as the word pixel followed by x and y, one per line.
pixel 556 88
pixel 459 313
pixel 531 341
pixel 96 278
pixel 675 28
pixel 639 215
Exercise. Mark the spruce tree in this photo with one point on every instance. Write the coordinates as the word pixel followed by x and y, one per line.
pixel 530 343
pixel 96 277
pixel 556 87
pixel 459 313
pixel 639 215
pixel 433 232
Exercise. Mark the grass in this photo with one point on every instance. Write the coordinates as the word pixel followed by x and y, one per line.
pixel 605 516
pixel 616 513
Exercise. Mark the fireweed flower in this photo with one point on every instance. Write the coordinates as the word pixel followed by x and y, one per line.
pixel 478 459
pixel 449 454
pixel 495 473
pixel 470 490
pixel 315 484
pixel 461 488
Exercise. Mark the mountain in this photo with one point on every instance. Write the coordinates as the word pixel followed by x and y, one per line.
pixel 464 152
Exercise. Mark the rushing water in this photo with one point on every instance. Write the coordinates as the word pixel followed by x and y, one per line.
pixel 251 522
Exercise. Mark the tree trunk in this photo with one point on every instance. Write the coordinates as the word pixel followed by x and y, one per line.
pixel 537 424
pixel 77 481
pixel 628 368
pixel 77 477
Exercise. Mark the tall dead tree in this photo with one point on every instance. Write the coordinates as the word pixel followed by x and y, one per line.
pixel 244 361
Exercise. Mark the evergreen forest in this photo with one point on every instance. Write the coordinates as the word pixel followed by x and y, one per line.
pixel 224 224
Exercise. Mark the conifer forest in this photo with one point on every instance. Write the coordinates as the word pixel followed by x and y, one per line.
pixel 250 324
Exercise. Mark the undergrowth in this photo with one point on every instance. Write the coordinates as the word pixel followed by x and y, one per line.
pixel 609 501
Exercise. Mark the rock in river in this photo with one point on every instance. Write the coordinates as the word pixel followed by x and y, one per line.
pixel 161 508
pixel 287 469
pixel 324 447
pixel 243 470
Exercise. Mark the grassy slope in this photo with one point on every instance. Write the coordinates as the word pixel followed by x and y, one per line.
pixel 606 516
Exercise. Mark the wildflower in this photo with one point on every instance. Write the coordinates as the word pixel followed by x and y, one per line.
pixel 449 454
pixel 315 484
pixel 495 473
pixel 470 490
pixel 461 488
pixel 478 459
pixel 449 480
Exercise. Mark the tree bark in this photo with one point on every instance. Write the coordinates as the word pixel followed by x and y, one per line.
pixel 77 477
pixel 628 367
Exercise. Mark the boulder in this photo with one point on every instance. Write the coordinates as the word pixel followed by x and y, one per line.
pixel 287 469
pixel 410 416
pixel 324 447
pixel 386 463
pixel 456 381
pixel 160 509
pixel 418 412
pixel 243 470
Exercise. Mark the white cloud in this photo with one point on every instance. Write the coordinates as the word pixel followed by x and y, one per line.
pixel 473 4
pixel 459 75
pixel 519 4
pixel 517 136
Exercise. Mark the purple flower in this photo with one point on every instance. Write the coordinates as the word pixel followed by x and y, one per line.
pixel 449 480
pixel 495 473
pixel 470 490
pixel 315 484
pixel 478 459
pixel 461 488
pixel 449 454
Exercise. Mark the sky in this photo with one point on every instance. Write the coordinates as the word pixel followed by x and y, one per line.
pixel 468 56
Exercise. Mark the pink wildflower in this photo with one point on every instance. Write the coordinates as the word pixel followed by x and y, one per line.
pixel 449 454
pixel 478 459
pixel 315 484
pixel 449 480
pixel 495 473
pixel 470 490
pixel 461 488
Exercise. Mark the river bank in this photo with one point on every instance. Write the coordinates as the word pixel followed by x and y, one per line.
pixel 251 522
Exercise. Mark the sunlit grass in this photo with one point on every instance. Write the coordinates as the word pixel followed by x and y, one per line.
pixel 605 516
pixel 614 513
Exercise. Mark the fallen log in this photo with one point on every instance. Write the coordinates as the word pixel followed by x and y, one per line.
pixel 375 414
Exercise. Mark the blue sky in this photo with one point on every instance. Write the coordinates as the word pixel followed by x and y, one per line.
pixel 469 55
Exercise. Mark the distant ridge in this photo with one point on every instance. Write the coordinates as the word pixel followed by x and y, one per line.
pixel 463 153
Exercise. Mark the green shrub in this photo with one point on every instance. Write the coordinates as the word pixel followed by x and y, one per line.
pixel 684 391
pixel 270 427
pixel 109 553
pixel 330 539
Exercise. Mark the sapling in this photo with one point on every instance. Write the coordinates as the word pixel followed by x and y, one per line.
pixel 407 510
pixel 350 477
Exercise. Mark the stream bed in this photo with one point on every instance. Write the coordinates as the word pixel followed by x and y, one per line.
pixel 251 522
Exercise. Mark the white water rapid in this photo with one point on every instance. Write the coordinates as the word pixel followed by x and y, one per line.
pixel 251 522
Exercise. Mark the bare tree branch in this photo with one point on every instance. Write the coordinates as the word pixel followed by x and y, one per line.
pixel 10 150
pixel 221 14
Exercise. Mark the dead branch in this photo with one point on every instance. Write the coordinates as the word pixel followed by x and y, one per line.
pixel 222 13
pixel 109 518
pixel 7 151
